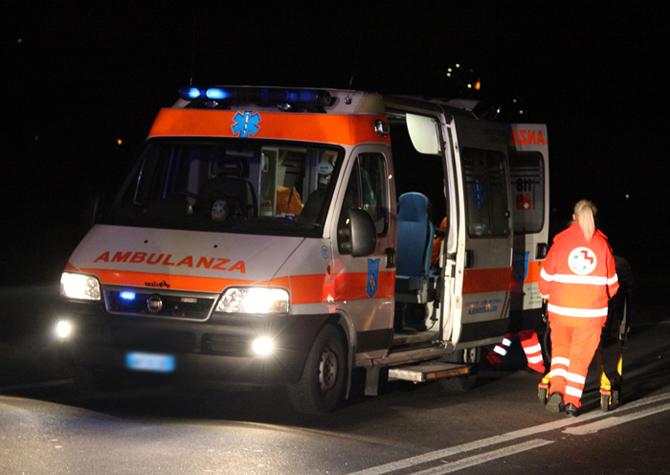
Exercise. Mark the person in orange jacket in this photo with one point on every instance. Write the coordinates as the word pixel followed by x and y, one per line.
pixel 577 279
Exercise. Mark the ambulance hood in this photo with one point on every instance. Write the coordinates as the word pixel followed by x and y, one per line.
pixel 178 259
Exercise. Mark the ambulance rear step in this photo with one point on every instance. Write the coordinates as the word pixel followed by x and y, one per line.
pixel 429 371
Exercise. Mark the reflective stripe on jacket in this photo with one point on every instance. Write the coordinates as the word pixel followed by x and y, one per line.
pixel 578 277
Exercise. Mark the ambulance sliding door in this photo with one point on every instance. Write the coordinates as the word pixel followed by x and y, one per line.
pixel 484 261
pixel 529 170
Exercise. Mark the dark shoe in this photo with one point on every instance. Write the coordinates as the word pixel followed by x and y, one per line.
pixel 571 410
pixel 555 403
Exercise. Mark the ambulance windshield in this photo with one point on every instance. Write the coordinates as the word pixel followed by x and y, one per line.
pixel 236 185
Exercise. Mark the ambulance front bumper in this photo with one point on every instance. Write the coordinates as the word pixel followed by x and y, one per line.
pixel 223 348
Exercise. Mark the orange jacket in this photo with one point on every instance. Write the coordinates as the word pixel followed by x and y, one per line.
pixel 578 277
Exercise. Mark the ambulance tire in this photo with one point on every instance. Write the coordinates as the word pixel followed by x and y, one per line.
pixel 321 387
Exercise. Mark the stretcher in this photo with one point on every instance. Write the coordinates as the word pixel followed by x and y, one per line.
pixel 610 349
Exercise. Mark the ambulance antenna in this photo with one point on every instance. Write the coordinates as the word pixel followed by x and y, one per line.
pixel 356 40
pixel 193 39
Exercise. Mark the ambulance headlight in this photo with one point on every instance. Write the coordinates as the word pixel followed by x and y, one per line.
pixel 258 300
pixel 79 286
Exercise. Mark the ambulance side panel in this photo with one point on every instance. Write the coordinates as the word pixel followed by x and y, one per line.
pixel 529 163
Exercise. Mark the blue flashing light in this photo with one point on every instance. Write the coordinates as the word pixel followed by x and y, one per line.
pixel 217 93
pixel 291 96
pixel 308 96
pixel 190 93
pixel 127 295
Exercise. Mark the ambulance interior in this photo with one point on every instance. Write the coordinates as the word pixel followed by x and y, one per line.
pixel 230 184
pixel 422 223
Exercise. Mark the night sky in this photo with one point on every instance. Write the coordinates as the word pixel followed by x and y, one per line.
pixel 84 81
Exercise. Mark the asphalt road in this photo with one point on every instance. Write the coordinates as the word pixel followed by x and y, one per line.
pixel 497 427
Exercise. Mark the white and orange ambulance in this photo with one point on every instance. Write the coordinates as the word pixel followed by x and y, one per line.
pixel 285 236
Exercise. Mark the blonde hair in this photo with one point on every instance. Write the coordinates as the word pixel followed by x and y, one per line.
pixel 584 214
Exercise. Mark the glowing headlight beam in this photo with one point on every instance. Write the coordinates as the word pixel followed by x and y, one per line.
pixel 254 300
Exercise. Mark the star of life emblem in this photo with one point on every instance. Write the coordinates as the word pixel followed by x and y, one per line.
pixel 582 260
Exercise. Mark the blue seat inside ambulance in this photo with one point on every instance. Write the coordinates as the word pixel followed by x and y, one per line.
pixel 415 242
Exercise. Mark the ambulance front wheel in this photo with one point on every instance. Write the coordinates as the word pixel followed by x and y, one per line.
pixel 321 387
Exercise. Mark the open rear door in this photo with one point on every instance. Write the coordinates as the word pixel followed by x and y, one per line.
pixel 529 164
pixel 484 254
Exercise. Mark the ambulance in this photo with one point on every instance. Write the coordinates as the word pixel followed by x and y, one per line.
pixel 296 237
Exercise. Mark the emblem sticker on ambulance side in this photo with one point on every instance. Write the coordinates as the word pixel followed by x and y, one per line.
pixel 246 124
pixel 520 266
pixel 582 261
pixel 372 281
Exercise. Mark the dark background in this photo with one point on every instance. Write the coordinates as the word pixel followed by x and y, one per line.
pixel 80 76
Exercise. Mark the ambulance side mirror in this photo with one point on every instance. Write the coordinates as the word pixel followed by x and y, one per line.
pixel 358 236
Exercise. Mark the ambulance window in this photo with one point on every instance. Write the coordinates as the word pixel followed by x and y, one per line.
pixel 251 186
pixel 486 191
pixel 151 181
pixel 373 188
pixel 367 190
pixel 527 175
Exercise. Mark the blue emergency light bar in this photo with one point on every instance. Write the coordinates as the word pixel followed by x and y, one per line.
pixel 264 96
pixel 192 93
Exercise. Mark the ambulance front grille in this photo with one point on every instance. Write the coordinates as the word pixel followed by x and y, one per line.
pixel 144 302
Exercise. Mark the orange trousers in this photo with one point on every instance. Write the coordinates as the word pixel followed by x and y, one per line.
pixel 572 349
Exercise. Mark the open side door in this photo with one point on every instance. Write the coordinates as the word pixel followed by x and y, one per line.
pixel 529 165
pixel 423 157
pixel 483 265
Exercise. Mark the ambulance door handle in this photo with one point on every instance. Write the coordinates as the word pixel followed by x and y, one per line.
pixel 541 250
pixel 390 257
pixel 469 258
